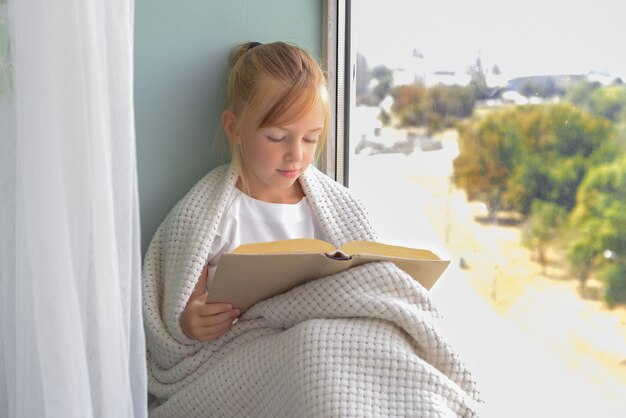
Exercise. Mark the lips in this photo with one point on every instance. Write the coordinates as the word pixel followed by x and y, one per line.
pixel 289 173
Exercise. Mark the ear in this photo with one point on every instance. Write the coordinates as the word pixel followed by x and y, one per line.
pixel 231 128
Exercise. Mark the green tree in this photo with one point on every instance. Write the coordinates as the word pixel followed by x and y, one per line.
pixel 561 143
pixel 615 278
pixel 600 218
pixel 543 225
pixel 580 257
pixel 609 102
pixel 451 101
pixel 488 149
pixel 530 152
pixel 435 107
pixel 410 105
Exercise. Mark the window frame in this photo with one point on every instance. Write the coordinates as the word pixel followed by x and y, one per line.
pixel 335 55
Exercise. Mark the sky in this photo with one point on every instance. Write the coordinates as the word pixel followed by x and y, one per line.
pixel 522 38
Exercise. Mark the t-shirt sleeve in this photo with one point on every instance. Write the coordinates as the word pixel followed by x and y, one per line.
pixel 214 251
pixel 223 237
pixel 221 243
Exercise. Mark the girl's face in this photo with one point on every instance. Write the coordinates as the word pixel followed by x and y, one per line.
pixel 275 156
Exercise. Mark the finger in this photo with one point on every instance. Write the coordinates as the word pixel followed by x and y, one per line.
pixel 205 322
pixel 209 309
pixel 218 319
pixel 216 331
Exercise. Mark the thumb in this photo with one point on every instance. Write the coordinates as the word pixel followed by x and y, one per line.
pixel 200 297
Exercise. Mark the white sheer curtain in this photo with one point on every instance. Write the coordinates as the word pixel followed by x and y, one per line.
pixel 71 334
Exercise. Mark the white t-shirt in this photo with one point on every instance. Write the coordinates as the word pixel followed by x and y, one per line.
pixel 247 220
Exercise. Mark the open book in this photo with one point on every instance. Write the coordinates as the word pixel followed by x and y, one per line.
pixel 253 272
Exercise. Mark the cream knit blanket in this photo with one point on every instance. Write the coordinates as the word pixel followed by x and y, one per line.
pixel 364 342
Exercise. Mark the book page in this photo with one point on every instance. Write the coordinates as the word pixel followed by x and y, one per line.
pixel 376 248
pixel 303 245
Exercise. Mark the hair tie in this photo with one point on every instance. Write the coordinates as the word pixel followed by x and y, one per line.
pixel 253 45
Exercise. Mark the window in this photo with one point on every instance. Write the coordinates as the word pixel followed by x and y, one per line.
pixel 494 133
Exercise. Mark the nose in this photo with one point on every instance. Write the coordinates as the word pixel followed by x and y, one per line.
pixel 295 152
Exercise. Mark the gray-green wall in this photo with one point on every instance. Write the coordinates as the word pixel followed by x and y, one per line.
pixel 181 50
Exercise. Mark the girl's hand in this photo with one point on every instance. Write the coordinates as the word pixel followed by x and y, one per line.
pixel 207 321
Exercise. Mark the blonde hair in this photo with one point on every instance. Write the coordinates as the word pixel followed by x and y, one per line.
pixel 300 85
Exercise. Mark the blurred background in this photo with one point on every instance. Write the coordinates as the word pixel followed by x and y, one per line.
pixel 495 134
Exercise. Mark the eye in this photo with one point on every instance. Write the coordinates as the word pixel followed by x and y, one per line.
pixel 310 140
pixel 271 138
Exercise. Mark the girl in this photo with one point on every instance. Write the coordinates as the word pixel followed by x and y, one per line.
pixel 361 342
pixel 271 148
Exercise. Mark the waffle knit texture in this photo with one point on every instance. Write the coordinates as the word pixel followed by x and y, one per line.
pixel 364 342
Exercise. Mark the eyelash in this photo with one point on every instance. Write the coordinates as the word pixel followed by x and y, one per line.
pixel 309 140
pixel 276 139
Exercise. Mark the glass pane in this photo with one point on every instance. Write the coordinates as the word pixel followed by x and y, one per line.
pixel 494 133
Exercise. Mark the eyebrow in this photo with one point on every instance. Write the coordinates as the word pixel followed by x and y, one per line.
pixel 318 129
